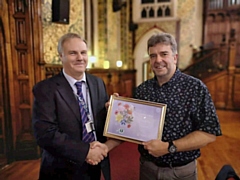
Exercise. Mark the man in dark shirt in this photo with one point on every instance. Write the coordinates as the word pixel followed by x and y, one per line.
pixel 190 123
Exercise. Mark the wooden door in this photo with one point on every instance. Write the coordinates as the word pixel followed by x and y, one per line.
pixel 21 66
pixel 3 142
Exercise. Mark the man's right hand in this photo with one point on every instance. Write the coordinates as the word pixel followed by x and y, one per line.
pixel 96 153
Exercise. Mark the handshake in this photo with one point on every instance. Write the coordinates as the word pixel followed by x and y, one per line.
pixel 96 153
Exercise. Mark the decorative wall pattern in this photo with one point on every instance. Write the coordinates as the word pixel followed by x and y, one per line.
pixel 114 37
pixel 191 29
pixel 102 32
pixel 52 31
pixel 126 39
pixel 128 42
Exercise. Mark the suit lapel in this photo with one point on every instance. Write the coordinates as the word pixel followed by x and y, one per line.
pixel 93 94
pixel 67 94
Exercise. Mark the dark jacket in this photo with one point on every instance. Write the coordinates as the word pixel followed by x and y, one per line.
pixel 58 129
pixel 226 173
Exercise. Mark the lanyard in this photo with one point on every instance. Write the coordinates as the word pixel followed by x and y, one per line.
pixel 85 106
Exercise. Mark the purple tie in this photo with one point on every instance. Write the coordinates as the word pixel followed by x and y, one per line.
pixel 87 137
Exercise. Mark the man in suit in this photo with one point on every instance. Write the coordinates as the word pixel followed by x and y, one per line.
pixel 57 121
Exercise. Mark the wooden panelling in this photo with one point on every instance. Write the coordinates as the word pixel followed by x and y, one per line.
pixel 221 91
pixel 218 65
pixel 5 120
pixel 20 68
pixel 23 79
pixel 221 19
pixel 219 87
pixel 236 91
pixel 2 113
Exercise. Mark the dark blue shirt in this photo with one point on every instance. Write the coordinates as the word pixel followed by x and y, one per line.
pixel 189 108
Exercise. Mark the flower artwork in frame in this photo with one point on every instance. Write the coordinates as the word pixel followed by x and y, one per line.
pixel 134 120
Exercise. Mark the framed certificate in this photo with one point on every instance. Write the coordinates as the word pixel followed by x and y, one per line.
pixel 134 120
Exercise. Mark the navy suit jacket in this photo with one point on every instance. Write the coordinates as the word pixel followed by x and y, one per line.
pixel 57 125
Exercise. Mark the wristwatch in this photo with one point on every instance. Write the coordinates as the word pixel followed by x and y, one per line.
pixel 171 147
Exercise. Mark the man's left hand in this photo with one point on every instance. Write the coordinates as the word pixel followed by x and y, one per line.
pixel 156 147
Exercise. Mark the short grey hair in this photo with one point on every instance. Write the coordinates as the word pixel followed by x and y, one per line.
pixel 163 38
pixel 66 37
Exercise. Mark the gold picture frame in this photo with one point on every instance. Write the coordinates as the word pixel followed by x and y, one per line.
pixel 134 120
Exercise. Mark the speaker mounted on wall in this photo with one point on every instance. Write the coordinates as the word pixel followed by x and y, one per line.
pixel 60 11
pixel 118 4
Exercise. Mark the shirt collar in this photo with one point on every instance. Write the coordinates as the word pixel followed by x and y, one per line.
pixel 72 81
pixel 172 79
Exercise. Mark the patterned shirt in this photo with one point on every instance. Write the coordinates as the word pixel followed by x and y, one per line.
pixel 189 108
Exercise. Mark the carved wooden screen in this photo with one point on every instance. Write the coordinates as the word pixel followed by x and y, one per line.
pixel 221 18
pixel 23 69
pixel 3 142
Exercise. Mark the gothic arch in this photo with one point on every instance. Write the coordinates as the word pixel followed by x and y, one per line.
pixel 140 54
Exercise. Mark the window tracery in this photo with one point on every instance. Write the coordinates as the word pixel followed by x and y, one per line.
pixel 154 10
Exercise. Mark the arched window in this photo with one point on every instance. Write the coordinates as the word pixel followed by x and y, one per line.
pixel 154 10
